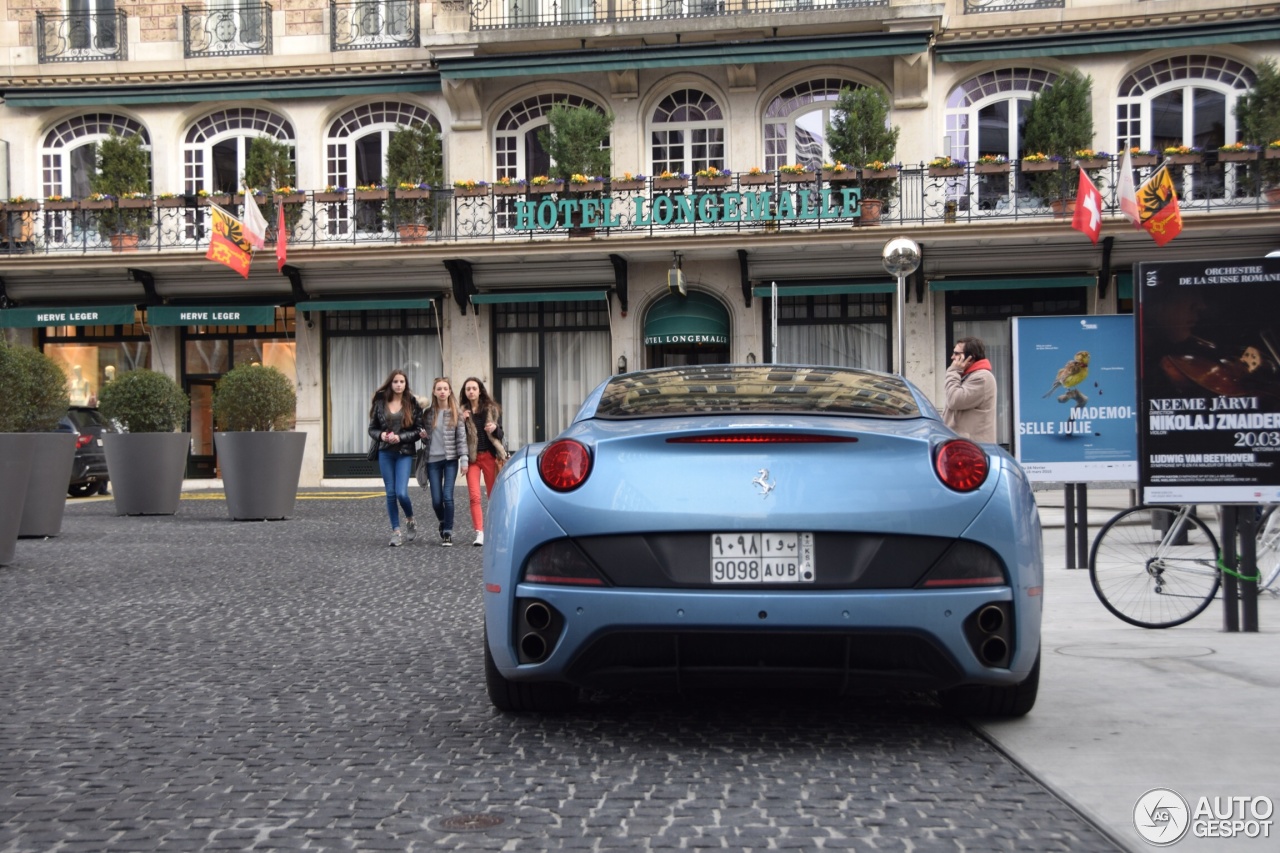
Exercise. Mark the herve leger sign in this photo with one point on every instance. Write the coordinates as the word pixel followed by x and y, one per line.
pixel 1208 380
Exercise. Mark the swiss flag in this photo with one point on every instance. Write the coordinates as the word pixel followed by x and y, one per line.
pixel 1088 217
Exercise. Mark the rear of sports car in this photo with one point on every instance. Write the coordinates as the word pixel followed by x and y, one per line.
pixel 762 526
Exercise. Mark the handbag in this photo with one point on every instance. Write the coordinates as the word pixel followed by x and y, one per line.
pixel 420 467
pixel 373 449
pixel 500 454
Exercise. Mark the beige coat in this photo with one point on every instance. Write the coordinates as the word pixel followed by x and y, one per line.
pixel 970 406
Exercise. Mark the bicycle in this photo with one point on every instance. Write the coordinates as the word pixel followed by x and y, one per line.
pixel 1160 566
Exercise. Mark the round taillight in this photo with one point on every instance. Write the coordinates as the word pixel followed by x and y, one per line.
pixel 564 464
pixel 961 465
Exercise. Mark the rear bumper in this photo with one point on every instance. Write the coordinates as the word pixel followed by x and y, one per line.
pixel 88 469
pixel 847 641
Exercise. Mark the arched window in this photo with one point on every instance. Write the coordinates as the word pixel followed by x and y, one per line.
pixel 356 144
pixel 795 123
pixel 985 114
pixel 687 133
pixel 67 154
pixel 1185 100
pixel 215 147
pixel 517 151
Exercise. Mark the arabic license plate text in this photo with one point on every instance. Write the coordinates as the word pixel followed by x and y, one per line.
pixel 761 558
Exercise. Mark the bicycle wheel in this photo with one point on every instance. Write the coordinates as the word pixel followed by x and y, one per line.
pixel 1149 575
pixel 1268 548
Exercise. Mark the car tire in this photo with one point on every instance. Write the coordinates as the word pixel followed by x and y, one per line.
pixel 104 488
pixel 1012 700
pixel 80 491
pixel 518 697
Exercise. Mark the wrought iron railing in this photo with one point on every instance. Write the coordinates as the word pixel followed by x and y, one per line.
pixel 511 14
pixel 739 205
pixel 972 7
pixel 81 36
pixel 368 24
pixel 241 29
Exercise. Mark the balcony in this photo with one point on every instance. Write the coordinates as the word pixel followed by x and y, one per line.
pixel 235 30
pixel 81 37
pixel 370 24
pixel 512 14
pixel 735 206
pixel 974 7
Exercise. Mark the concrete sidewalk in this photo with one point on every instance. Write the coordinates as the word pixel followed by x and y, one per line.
pixel 1123 710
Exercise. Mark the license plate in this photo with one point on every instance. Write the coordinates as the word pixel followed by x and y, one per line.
pixel 761 558
pixel 99 442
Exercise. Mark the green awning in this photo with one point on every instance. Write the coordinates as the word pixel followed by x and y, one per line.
pixel 211 315
pixel 1012 283
pixel 541 296
pixel 62 315
pixel 1124 285
pixel 819 289
pixel 418 303
pixel 693 319
pixel 1110 41
pixel 228 91
pixel 685 55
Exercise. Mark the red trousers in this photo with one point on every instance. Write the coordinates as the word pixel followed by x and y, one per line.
pixel 487 464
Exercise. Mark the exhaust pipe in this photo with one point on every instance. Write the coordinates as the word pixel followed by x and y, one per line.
pixel 537 616
pixel 533 647
pixel 990 619
pixel 994 651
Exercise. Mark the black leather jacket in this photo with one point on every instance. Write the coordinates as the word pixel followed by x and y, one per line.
pixel 382 421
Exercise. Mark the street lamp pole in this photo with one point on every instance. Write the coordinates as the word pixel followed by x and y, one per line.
pixel 901 257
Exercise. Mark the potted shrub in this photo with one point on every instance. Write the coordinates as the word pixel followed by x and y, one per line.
pixel 1059 122
pixel 1258 118
pixel 268 169
pixel 859 133
pixel 35 464
pixel 36 396
pixel 415 163
pixel 577 139
pixel 258 452
pixel 147 461
pixel 122 171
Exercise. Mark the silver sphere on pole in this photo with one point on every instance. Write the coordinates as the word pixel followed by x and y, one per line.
pixel 901 257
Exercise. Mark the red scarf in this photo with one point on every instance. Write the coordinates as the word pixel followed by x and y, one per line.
pixel 980 364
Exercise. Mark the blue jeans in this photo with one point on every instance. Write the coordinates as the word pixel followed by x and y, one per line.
pixel 396 468
pixel 441 476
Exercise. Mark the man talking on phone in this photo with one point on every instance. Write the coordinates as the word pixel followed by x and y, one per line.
pixel 970 407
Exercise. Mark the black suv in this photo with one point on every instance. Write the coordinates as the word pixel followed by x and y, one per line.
pixel 89 471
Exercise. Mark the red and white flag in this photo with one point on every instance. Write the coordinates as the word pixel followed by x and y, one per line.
pixel 255 224
pixel 1088 216
pixel 281 250
pixel 1126 194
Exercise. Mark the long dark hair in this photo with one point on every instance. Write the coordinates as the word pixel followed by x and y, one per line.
pixel 385 394
pixel 486 406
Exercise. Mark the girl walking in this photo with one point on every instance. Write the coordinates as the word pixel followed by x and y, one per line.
pixel 395 422
pixel 483 421
pixel 446 436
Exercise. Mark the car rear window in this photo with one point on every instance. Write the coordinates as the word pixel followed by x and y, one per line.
pixel 86 418
pixel 761 389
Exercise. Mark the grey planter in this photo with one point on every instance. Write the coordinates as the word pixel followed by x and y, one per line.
pixel 52 454
pixel 146 470
pixel 260 472
pixel 15 469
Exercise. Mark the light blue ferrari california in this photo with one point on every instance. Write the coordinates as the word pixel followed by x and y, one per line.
pixel 762 526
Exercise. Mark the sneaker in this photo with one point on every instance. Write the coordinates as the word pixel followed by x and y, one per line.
pixel 396 539
pixel 479 538
pixel 410 530
pixel 446 538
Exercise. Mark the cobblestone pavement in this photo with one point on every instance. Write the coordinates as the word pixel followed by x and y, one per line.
pixel 192 683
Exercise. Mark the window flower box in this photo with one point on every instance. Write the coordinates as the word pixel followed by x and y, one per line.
pixel 331 197
pixel 1185 159
pixel 412 193
pixel 670 183
pixel 991 168
pixel 60 204
pixel 1271 152
pixel 946 171
pixel 171 201
pixel 627 186
pixel 1088 163
pixel 1237 156
pixel 880 174
pixel 371 195
pixel 756 179
pixel 24 206
pixel 839 176
pixel 546 187
pixel 471 192
pixel 97 204
pixel 586 187
pixel 135 203
pixel 510 188
pixel 223 199
pixel 291 198
pixel 797 177
pixel 1140 160
pixel 1040 165
pixel 712 182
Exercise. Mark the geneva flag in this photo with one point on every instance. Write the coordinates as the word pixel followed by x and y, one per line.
pixel 227 244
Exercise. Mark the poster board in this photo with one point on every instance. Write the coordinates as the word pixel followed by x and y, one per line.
pixel 1075 398
pixel 1209 380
